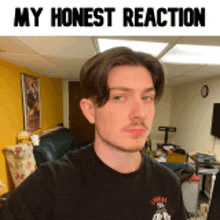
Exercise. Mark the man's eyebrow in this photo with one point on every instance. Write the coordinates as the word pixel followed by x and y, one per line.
pixel 128 89
pixel 150 89
pixel 120 88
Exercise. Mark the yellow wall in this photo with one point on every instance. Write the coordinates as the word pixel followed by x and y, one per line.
pixel 11 113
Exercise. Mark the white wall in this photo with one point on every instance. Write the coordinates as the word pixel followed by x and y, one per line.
pixel 161 118
pixel 192 115
pixel 66 103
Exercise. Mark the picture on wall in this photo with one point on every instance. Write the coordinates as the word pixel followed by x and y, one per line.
pixel 31 102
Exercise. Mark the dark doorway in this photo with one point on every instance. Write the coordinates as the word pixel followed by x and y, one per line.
pixel 81 128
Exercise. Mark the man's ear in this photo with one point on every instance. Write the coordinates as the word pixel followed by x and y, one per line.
pixel 88 108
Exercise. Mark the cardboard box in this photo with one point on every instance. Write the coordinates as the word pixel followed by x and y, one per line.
pixel 174 157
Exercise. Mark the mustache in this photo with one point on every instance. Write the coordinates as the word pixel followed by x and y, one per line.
pixel 137 123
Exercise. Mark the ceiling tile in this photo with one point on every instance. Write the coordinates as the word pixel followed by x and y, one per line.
pixel 174 69
pixel 199 74
pixel 63 56
pixel 200 40
pixel 62 46
pixel 12 45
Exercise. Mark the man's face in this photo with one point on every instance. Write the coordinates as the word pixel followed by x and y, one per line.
pixel 124 122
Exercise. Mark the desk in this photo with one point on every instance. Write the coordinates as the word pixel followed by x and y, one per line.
pixel 201 170
pixel 199 164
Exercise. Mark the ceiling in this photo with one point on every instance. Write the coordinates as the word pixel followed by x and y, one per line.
pixel 63 56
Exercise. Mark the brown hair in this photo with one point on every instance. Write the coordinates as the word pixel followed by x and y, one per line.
pixel 94 73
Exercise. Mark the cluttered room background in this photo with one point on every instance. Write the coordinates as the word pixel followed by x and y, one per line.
pixel 181 106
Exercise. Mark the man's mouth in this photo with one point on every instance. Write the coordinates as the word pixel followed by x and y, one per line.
pixel 136 131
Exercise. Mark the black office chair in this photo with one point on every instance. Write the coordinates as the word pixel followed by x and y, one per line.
pixel 214 209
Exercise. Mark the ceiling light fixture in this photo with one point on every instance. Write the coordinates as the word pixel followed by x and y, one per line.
pixel 153 48
pixel 197 54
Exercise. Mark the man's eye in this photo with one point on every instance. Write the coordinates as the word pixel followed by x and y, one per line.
pixel 148 98
pixel 118 97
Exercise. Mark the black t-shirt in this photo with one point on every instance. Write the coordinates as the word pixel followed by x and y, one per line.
pixel 81 187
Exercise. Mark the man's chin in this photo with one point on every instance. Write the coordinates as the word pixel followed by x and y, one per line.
pixel 134 144
pixel 126 145
pixel 131 148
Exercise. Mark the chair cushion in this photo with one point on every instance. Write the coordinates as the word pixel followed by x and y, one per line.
pixel 21 161
pixel 54 145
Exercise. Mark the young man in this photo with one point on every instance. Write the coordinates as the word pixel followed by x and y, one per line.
pixel 111 178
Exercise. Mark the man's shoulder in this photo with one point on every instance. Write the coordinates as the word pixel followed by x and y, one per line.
pixel 75 159
pixel 160 171
pixel 78 157
pixel 70 164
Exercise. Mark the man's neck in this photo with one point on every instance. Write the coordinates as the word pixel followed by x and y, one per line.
pixel 121 161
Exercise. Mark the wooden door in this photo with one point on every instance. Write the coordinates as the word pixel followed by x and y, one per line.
pixel 81 128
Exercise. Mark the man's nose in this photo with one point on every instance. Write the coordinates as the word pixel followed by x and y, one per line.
pixel 137 110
